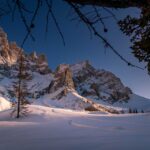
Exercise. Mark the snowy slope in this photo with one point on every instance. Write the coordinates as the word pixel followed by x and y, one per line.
pixel 72 100
pixel 4 104
pixel 135 102
pixel 61 129
pixel 39 82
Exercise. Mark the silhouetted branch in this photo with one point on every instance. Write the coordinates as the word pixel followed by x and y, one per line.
pixel 91 19
pixel 55 20
pixel 112 3
pixel 18 5
pixel 111 13
pixel 90 25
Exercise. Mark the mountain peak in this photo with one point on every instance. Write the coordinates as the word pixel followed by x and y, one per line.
pixel 33 55
pixel 8 51
pixel 62 68
pixel 75 86
pixel 81 66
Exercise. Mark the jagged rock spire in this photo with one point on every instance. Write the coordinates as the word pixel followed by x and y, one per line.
pixel 62 78
pixel 8 51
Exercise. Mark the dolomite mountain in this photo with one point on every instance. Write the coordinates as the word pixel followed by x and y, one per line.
pixel 79 86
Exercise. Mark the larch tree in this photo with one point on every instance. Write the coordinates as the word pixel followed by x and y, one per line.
pixel 20 88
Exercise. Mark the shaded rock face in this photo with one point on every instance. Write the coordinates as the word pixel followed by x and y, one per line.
pixel 89 82
pixel 81 77
pixel 98 84
pixel 38 63
pixel 62 78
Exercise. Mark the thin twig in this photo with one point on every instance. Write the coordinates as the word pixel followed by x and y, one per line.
pixel 96 33
pixel 24 19
pixel 55 21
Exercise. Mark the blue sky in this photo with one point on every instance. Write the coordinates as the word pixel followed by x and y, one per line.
pixel 79 46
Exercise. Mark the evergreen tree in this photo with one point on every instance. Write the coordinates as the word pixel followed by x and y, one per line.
pixel 136 111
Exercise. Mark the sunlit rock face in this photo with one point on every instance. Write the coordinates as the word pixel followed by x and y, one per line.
pixel 98 84
pixel 36 66
pixel 81 78
pixel 9 54
pixel 8 51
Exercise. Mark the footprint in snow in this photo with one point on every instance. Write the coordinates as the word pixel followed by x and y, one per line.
pixel 119 128
pixel 70 122
pixel 80 125
pixel 53 110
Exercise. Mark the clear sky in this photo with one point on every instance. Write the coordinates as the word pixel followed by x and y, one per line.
pixel 79 46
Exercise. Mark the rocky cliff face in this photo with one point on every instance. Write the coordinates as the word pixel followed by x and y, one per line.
pixel 8 51
pixel 81 81
pixel 36 66
pixel 63 77
pixel 98 84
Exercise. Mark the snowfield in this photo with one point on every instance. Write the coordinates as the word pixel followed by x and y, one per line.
pixel 49 128
pixel 4 104
pixel 135 102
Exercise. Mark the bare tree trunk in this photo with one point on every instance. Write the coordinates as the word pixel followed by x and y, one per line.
pixel 19 87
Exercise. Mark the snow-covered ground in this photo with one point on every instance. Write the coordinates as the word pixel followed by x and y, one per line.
pixel 4 104
pixel 135 102
pixel 47 128
pixel 77 102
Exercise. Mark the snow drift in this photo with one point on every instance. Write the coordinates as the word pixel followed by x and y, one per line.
pixel 4 104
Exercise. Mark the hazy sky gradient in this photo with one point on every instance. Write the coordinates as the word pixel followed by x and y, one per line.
pixel 79 45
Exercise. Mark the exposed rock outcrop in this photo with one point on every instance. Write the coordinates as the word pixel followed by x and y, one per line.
pixel 62 78
pixel 80 83
pixel 98 84
pixel 8 51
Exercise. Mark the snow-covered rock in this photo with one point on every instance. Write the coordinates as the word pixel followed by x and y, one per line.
pixel 62 78
pixel 98 84
pixel 79 86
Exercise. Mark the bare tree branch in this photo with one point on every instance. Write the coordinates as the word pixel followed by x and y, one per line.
pixel 112 3
pixel 24 19
pixel 90 25
pixel 55 20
